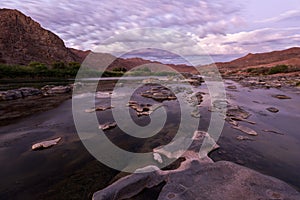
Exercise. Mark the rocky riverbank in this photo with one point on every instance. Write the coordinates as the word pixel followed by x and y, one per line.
pixel 25 101
pixel 267 81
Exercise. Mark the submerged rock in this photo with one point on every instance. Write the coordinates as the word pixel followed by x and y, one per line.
pixel 237 112
pixel 232 87
pixel 98 108
pixel 108 125
pixel 272 109
pixel 240 137
pixel 143 109
pixel 103 95
pixel 281 96
pixel 159 93
pixel 271 131
pixel 45 144
pixel 245 129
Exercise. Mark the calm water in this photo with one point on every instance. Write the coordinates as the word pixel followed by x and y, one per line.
pixel 25 174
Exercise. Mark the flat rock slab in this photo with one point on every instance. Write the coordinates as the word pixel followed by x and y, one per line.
pixel 224 180
pixel 194 180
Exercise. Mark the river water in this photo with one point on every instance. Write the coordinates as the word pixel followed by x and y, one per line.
pixel 68 170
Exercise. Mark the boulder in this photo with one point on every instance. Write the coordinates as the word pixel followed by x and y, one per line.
pixel 10 95
pixel 28 91
pixel 19 93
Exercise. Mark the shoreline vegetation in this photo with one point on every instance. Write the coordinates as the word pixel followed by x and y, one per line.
pixel 60 70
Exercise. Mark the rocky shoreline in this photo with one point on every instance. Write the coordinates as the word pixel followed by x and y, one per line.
pixel 25 101
pixel 267 81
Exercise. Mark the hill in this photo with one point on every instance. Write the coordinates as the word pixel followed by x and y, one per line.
pixel 22 40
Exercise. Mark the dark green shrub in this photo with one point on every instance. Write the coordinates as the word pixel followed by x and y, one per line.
pixel 278 69
pixel 120 69
pixel 58 65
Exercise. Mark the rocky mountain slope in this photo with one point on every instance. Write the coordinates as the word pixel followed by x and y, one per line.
pixel 284 57
pixel 22 40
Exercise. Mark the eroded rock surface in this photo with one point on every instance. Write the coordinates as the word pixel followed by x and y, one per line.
pixel 195 180
pixel 159 93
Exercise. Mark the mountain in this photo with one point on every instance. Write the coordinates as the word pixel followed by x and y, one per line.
pixel 130 63
pixel 22 40
pixel 289 57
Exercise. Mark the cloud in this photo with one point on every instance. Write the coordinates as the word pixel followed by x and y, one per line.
pixel 191 27
pixel 260 40
pixel 288 15
pixel 85 24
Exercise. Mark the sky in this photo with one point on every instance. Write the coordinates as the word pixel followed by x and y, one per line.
pixel 222 29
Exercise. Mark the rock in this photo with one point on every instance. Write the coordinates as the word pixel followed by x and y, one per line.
pixel 59 90
pixel 245 129
pixel 271 131
pixel 195 99
pixel 157 157
pixel 159 93
pixel 45 144
pixel 194 180
pixel 10 95
pixel 150 80
pixel 98 108
pixel 19 93
pixel 196 113
pixel 232 87
pixel 237 112
pixel 103 95
pixel 281 96
pixel 241 119
pixel 197 148
pixel 143 109
pixel 107 126
pixel 129 186
pixel 272 109
pixel 231 121
pixel 240 137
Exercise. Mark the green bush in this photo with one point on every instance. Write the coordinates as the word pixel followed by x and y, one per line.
pixel 74 65
pixel 120 69
pixel 143 69
pixel 278 69
pixel 58 65
pixel 258 71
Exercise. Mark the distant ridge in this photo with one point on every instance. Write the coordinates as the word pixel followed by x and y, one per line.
pixel 288 56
